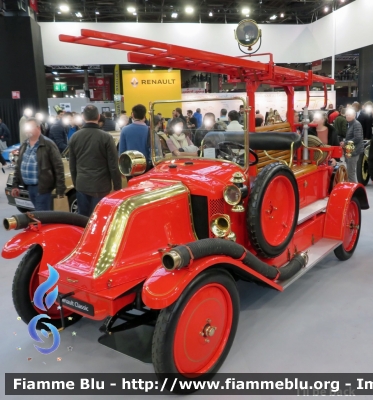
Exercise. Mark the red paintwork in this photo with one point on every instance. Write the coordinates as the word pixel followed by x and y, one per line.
pixel 57 241
pixel 277 214
pixel 338 205
pixel 163 288
pixel 211 306
pixel 351 222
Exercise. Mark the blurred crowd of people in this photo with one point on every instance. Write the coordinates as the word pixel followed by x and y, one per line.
pixel 93 154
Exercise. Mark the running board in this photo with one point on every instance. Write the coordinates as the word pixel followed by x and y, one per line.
pixel 315 253
pixel 308 212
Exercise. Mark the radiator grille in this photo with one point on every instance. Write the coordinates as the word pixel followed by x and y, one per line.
pixel 216 207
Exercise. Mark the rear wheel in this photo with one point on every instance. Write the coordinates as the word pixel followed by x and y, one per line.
pixel 193 336
pixel 362 169
pixel 351 231
pixel 25 282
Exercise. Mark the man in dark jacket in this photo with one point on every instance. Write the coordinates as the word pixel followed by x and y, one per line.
pixel 58 131
pixel 355 134
pixel 4 133
pixel 366 120
pixel 109 124
pixel 340 124
pixel 39 168
pixel 93 161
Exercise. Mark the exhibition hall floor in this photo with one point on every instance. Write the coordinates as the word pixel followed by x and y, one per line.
pixel 321 323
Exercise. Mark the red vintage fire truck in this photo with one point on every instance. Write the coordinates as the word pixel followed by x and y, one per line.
pixel 260 204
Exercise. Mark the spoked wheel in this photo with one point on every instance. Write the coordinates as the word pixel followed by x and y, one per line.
pixel 351 231
pixel 339 175
pixel 193 336
pixel 25 283
pixel 362 169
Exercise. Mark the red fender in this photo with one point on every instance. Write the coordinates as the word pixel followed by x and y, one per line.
pixel 339 200
pixel 57 242
pixel 164 287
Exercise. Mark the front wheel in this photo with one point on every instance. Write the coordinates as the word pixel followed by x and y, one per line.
pixel 193 336
pixel 25 282
pixel 351 231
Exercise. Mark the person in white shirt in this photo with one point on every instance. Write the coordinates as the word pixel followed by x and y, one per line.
pixel 234 125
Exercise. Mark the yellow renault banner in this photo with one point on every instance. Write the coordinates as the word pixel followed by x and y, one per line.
pixel 142 87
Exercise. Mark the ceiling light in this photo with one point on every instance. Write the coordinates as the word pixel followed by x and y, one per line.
pixel 247 15
pixel 189 10
pixel 131 9
pixel 282 15
pixel 97 12
pixel 174 15
pixel 326 9
pixel 210 14
pixel 54 95
pixel 57 79
pixel 245 10
pixel 58 12
pixel 169 70
pixel 79 14
pixel 273 17
pixel 64 8
pixel 153 66
pixel 135 13
pixel 54 72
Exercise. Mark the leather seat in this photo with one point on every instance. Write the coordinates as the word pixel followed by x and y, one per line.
pixel 258 141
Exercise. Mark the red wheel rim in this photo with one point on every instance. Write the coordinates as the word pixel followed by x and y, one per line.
pixel 277 213
pixel 53 312
pixel 352 226
pixel 203 330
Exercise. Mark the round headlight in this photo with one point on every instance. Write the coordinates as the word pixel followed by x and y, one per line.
pixel 232 195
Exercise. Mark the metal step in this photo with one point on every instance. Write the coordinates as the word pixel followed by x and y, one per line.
pixel 315 253
pixel 307 212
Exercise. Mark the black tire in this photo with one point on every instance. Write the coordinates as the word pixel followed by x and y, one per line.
pixel 167 322
pixel 255 224
pixel 362 170
pixel 340 252
pixel 20 290
pixel 73 202
pixel 23 210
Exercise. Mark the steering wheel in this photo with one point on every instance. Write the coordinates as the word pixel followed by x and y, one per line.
pixel 228 151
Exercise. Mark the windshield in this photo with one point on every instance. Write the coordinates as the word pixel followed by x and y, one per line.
pixel 208 128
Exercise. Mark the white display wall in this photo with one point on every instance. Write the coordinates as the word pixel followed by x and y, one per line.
pixel 289 43
pixel 263 101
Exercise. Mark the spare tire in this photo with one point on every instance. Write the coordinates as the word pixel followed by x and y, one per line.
pixel 273 210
